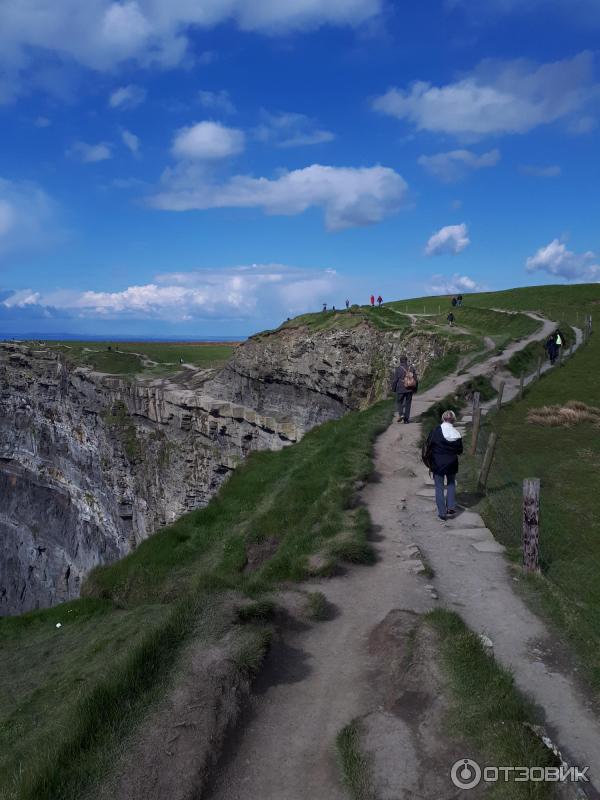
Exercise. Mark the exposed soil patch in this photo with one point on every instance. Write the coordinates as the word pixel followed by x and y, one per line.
pixel 258 553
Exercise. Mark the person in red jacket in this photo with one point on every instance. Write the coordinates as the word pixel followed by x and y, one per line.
pixel 373 301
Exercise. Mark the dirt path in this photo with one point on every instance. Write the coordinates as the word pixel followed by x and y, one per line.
pixel 320 679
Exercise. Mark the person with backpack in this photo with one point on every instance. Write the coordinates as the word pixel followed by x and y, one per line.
pixel 405 383
pixel 440 455
pixel 379 301
pixel 450 319
pixel 551 348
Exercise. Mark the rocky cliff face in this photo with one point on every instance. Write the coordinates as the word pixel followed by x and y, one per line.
pixel 92 464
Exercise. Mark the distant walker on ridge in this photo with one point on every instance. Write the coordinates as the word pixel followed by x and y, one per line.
pixel 405 383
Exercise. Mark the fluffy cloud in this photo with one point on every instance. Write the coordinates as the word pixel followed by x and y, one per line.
pixel 131 141
pixel 451 239
pixel 498 97
pixel 103 34
pixel 217 101
pixel 127 97
pixel 440 284
pixel 238 292
pixel 207 141
pixel 349 196
pixel 551 171
pixel 289 129
pixel 455 164
pixel 90 153
pixel 555 259
pixel 27 217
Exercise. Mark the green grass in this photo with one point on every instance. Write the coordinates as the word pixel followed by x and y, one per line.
pixel 526 360
pixel 567 462
pixel 317 607
pixel 382 318
pixel 487 709
pixel 122 358
pixel 355 765
pixel 70 695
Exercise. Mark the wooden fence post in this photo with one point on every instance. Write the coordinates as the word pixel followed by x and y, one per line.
pixel 521 385
pixel 500 393
pixel 475 429
pixel 487 462
pixel 539 367
pixel 476 398
pixel 531 525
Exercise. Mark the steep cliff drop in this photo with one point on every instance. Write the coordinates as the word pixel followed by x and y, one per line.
pixel 91 464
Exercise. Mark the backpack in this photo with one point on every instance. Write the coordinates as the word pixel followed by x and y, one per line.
pixel 410 380
pixel 426 451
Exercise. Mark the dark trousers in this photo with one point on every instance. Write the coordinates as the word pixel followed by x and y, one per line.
pixel 403 403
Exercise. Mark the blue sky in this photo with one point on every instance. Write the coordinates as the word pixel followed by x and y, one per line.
pixel 176 168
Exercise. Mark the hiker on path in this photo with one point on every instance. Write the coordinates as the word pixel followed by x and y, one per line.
pixel 459 300
pixel 444 445
pixel 450 319
pixel 559 340
pixel 551 348
pixel 379 301
pixel 405 383
pixel 372 301
pixel 347 304
pixel 454 302
pixel 324 306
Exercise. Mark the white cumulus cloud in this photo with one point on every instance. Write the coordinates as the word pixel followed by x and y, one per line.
pixel 243 292
pixel 127 97
pixel 104 34
pixel 452 239
pixel 556 259
pixel 207 141
pixel 454 164
pixel 497 97
pixel 349 196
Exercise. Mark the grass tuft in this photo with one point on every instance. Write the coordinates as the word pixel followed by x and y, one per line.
pixel 355 765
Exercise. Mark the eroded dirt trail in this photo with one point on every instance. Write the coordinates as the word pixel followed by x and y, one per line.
pixel 322 677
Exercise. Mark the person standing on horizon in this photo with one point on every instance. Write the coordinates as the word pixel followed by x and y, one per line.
pixel 372 301
pixel 347 304
pixel 443 447
pixel 405 383
pixel 379 301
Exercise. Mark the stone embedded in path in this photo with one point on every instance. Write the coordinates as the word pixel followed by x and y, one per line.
pixel 478 534
pixel 468 519
pixel 488 547
pixel 426 491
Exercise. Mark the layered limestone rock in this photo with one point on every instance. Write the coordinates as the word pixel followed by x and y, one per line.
pixel 92 464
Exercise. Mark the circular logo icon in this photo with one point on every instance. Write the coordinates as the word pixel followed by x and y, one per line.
pixel 465 773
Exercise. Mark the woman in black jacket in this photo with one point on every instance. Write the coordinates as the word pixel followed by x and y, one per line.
pixel 445 445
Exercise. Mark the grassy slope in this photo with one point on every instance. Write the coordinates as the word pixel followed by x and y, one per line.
pixel 122 358
pixel 567 460
pixel 69 694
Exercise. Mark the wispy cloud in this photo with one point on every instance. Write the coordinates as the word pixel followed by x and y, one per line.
pixel 550 171
pixel 455 164
pixel 91 153
pixel 441 284
pixel 28 218
pixel 289 129
pixel 127 97
pixel 131 142
pixel 217 101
